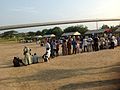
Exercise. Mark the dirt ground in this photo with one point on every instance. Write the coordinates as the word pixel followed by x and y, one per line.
pixel 87 71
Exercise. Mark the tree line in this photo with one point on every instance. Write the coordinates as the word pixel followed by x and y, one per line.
pixel 56 31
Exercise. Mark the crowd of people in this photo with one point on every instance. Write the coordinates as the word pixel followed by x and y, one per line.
pixel 71 45
pixel 74 45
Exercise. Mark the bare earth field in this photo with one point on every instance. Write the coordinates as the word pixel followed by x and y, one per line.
pixel 87 71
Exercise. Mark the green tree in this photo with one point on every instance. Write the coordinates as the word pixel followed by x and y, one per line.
pixel 57 31
pixel 38 33
pixel 30 34
pixel 104 26
pixel 44 31
pixel 80 28
pixel 9 34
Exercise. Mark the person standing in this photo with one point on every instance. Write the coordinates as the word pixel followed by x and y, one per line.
pixel 85 44
pixel 112 42
pixel 90 40
pixel 54 48
pixel 96 43
pixel 27 55
pixel 64 47
pixel 57 48
pixel 69 43
pixel 74 44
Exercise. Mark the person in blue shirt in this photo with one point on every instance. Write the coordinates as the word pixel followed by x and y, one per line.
pixel 74 44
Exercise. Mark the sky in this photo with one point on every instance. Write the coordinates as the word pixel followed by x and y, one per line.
pixel 38 11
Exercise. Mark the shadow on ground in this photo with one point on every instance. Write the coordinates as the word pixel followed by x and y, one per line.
pixel 74 86
pixel 58 74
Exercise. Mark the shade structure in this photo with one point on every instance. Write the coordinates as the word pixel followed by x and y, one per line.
pixel 49 36
pixel 118 30
pixel 95 31
pixel 71 34
pixel 38 36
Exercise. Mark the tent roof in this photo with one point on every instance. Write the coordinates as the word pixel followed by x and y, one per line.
pixel 38 36
pixel 71 34
pixel 50 35
pixel 95 31
pixel 118 30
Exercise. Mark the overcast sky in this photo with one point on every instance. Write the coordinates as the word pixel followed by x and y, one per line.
pixel 32 11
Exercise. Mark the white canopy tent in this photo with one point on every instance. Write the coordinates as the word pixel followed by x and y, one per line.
pixel 49 36
pixel 71 34
pixel 38 36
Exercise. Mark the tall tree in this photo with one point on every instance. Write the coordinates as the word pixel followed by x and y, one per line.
pixel 57 31
pixel 80 28
pixel 31 34
pixel 38 33
pixel 44 31
pixel 105 27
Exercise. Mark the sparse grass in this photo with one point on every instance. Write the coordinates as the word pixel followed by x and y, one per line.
pixel 7 41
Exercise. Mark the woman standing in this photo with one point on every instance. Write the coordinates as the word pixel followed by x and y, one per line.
pixel 64 47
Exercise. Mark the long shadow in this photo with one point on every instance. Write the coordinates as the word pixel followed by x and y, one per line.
pixel 8 66
pixel 74 86
pixel 58 74
pixel 110 66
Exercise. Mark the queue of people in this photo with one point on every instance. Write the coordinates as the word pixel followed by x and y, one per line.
pixel 69 46
pixel 84 44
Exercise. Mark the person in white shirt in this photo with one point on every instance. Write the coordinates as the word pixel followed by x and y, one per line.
pixel 48 46
pixel 46 56
pixel 90 40
pixel 85 44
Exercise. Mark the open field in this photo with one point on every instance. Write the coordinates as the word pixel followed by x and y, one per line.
pixel 87 71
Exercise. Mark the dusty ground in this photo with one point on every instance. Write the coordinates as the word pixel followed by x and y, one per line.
pixel 87 71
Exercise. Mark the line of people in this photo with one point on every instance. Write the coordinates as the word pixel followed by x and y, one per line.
pixel 80 45
pixel 69 46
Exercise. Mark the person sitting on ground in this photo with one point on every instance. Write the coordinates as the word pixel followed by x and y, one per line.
pixel 17 61
pixel 46 56
pixel 34 58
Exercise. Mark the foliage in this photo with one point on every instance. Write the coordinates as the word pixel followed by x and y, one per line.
pixel 104 26
pixel 9 34
pixel 14 35
pixel 56 31
pixel 38 33
pixel 80 28
pixel 30 34
pixel 44 31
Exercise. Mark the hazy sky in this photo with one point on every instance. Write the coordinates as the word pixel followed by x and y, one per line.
pixel 32 11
